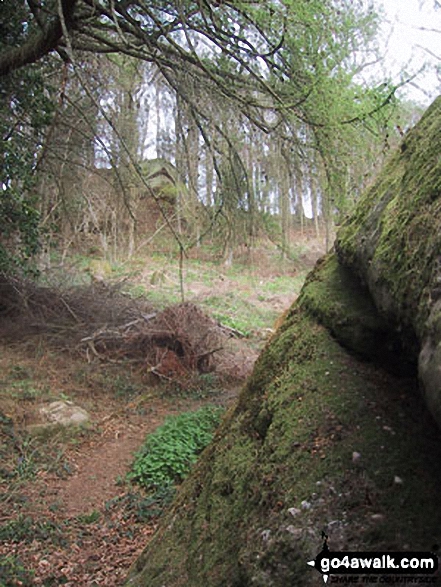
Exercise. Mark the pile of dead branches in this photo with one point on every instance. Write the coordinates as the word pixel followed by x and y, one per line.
pixel 46 308
pixel 100 323
pixel 171 344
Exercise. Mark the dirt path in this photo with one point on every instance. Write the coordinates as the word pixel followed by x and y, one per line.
pixel 99 467
pixel 88 527
pixel 67 516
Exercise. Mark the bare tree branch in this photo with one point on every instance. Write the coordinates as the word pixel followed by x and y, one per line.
pixel 39 44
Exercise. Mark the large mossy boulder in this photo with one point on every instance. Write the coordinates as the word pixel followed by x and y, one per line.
pixel 392 243
pixel 318 441
pixel 321 439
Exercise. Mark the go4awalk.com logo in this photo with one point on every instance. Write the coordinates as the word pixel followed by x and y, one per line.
pixel 376 567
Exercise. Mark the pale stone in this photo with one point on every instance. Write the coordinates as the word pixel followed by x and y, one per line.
pixel 64 413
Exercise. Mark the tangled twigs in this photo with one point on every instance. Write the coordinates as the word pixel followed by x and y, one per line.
pixel 173 343
pixel 101 323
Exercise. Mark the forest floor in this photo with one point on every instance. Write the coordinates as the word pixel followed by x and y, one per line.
pixel 68 514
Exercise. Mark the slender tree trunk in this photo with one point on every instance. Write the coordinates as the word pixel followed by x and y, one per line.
pixel 180 162
pixel 192 153
pixel 209 177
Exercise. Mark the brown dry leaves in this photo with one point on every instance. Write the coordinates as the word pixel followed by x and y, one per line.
pixel 94 554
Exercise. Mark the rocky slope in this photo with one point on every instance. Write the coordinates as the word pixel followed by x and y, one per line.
pixel 393 245
pixel 330 433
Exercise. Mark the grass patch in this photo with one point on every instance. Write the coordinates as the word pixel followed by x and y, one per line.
pixel 161 298
pixel 231 309
pixel 26 529
pixel 283 285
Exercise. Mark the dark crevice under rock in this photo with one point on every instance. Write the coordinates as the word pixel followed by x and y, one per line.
pixel 337 299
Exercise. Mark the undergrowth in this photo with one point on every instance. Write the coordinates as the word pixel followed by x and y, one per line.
pixel 141 508
pixel 167 454
pixel 25 528
pixel 13 572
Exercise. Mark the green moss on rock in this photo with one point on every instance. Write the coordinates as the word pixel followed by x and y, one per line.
pixel 318 439
pixel 335 296
pixel 393 244
pixel 281 469
pixel 393 240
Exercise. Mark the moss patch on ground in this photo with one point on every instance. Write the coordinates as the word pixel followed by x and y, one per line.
pixel 318 441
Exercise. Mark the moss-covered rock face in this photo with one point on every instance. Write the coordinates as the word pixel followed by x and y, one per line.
pixel 339 301
pixel 393 240
pixel 393 244
pixel 319 439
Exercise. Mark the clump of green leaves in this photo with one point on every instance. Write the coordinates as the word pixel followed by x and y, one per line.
pixel 91 518
pixel 168 454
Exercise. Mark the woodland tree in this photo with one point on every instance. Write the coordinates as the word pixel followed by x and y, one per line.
pixel 286 68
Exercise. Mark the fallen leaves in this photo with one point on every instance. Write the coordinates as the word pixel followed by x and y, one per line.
pixel 95 554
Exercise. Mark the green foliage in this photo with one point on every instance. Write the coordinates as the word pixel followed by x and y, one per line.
pixel 24 390
pixel 123 386
pixel 18 454
pixel 20 384
pixel 300 89
pixel 24 114
pixel 7 445
pixel 13 572
pixel 168 454
pixel 25 528
pixel 91 518
pixel 26 108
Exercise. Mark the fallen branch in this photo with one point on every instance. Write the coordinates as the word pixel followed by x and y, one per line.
pixel 231 332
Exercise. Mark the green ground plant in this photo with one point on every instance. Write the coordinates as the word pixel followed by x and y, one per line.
pixel 167 455
pixel 13 572
pixel 27 529
pixel 18 383
pixel 91 518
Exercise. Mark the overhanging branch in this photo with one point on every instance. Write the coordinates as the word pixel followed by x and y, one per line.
pixel 39 44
